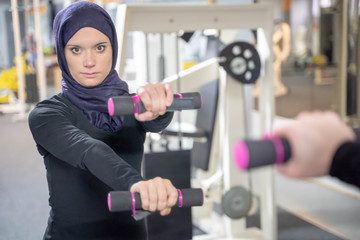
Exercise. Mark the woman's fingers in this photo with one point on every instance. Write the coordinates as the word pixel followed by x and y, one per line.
pixel 169 94
pixel 156 98
pixel 165 212
pixel 172 194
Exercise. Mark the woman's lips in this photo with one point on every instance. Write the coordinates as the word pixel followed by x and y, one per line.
pixel 90 75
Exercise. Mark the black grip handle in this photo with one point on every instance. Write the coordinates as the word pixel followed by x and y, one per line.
pixel 256 153
pixel 127 105
pixel 125 201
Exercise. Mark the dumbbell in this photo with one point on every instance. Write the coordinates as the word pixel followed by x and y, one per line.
pixel 127 105
pixel 256 153
pixel 131 201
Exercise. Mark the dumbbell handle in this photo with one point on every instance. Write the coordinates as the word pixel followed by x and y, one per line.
pixel 256 153
pixel 125 201
pixel 127 105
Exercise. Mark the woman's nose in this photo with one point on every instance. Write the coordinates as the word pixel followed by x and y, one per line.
pixel 89 59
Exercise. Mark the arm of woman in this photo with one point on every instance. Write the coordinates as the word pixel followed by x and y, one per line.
pixel 346 164
pixel 159 123
pixel 53 130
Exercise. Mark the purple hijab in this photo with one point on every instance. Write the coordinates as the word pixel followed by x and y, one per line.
pixel 91 100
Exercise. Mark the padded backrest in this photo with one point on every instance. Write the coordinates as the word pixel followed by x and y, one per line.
pixel 205 121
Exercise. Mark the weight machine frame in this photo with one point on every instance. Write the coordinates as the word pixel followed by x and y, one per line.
pixel 232 122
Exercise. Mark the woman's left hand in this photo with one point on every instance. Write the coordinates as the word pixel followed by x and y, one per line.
pixel 155 97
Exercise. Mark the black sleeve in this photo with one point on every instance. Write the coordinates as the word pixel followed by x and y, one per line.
pixel 158 124
pixel 346 163
pixel 53 130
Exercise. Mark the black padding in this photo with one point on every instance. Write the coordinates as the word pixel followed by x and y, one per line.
pixel 196 100
pixel 175 166
pixel 122 200
pixel 263 152
pixel 351 93
pixel 205 124
pixel 123 105
pixel 192 197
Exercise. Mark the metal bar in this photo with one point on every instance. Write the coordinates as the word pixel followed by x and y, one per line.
pixel 41 76
pixel 18 55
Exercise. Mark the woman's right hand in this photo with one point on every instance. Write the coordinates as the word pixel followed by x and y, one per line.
pixel 157 194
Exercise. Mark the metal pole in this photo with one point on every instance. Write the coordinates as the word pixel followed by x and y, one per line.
pixel 19 66
pixel 357 16
pixel 148 77
pixel 40 66
pixel 177 62
pixel 341 85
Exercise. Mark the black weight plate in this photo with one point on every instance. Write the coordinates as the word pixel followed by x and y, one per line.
pixel 236 202
pixel 241 61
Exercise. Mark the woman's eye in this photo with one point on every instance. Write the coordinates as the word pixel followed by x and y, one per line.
pixel 100 48
pixel 75 50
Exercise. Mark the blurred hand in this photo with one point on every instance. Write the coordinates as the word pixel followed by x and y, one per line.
pixel 156 97
pixel 314 138
pixel 156 194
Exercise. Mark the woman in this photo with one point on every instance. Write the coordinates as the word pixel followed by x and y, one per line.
pixel 88 153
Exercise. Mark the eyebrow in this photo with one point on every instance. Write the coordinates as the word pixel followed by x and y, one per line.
pixel 100 43
pixel 97 44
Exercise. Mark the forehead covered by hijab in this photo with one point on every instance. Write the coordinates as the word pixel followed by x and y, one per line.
pixel 79 15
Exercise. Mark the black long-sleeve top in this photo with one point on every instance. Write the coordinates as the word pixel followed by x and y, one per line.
pixel 83 164
pixel 346 163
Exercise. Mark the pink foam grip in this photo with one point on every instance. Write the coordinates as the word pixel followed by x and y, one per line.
pixel 111 106
pixel 109 201
pixel 180 95
pixel 180 198
pixel 267 135
pixel 133 204
pixel 279 148
pixel 241 154
pixel 136 99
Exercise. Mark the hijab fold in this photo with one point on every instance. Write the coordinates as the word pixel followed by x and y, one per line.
pixel 91 100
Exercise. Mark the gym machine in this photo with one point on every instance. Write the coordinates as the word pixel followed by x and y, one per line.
pixel 235 110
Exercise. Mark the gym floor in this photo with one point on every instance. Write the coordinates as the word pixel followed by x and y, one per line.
pixel 312 209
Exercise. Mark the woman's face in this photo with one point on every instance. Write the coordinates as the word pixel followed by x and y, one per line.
pixel 89 56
